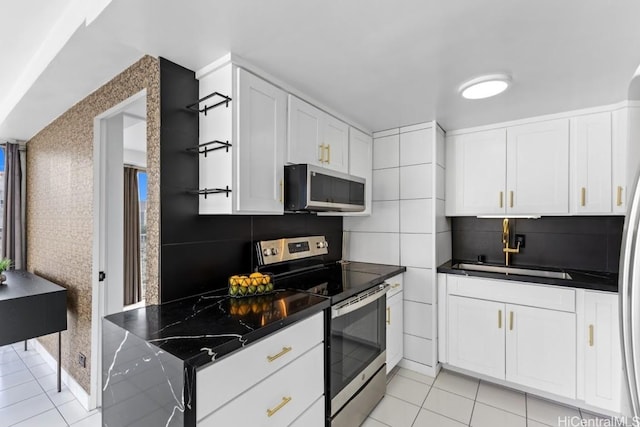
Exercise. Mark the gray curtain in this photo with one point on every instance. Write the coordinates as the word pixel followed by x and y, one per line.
pixel 13 220
pixel 132 282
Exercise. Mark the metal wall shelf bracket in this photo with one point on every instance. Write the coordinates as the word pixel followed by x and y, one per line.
pixel 196 105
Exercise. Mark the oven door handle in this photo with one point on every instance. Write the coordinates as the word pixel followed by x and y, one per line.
pixel 359 300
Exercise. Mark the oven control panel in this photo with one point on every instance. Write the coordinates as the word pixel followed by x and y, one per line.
pixel 280 250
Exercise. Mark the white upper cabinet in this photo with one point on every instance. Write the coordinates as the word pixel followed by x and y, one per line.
pixel 476 172
pixel 591 164
pixel 252 167
pixel 261 141
pixel 538 168
pixel 625 155
pixel 316 138
pixel 361 163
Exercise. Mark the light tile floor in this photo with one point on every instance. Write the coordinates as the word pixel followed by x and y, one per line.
pixel 29 395
pixel 453 400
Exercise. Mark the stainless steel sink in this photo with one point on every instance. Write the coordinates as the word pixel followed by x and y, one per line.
pixel 513 270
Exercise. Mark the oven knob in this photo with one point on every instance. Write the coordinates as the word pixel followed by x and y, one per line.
pixel 266 252
pixel 321 245
pixel 274 251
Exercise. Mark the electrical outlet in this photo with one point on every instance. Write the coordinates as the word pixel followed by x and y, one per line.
pixel 520 239
pixel 82 360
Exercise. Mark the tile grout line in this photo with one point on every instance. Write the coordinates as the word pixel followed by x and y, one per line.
pixel 48 397
pixel 475 399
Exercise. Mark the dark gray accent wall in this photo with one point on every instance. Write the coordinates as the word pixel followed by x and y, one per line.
pixel 199 252
pixel 577 242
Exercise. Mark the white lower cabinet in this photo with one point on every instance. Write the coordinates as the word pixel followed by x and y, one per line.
pixel 278 381
pixel 531 336
pixel 602 356
pixel 476 335
pixel 395 323
pixel 541 349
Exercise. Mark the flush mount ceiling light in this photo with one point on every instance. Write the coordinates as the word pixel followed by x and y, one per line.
pixel 485 86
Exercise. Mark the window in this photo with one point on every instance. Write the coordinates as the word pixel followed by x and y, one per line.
pixel 142 195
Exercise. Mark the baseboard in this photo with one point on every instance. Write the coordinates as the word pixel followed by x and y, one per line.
pixel 419 367
pixel 75 388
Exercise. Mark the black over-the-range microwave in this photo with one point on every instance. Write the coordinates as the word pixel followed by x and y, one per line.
pixel 316 189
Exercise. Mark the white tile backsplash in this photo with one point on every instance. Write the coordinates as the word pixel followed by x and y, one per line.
pixel 416 216
pixel 384 218
pixel 418 319
pixel 416 250
pixel 418 285
pixel 415 182
pixel 381 248
pixel 386 184
pixel 386 152
pixel 440 182
pixel 416 147
pixel 418 349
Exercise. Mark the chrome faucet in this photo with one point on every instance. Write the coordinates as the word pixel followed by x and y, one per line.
pixel 505 241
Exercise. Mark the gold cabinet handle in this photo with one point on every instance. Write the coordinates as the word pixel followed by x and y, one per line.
pixel 501 199
pixel 510 199
pixel 590 335
pixel 388 315
pixel 499 319
pixel 284 351
pixel 328 153
pixel 395 286
pixel 511 320
pixel 281 190
pixel 619 196
pixel 321 159
pixel 583 196
pixel 285 400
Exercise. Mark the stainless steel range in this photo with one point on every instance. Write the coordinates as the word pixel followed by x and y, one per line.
pixel 356 338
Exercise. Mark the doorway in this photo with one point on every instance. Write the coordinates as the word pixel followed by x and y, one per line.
pixel 119 140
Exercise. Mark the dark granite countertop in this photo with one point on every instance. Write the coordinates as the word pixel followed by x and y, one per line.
pixel 579 279
pixel 204 328
pixel 20 284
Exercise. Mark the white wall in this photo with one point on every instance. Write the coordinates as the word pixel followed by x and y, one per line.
pixel 406 223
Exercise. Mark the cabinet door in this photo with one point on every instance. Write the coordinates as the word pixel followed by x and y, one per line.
pixel 476 335
pixel 619 175
pixel 541 349
pixel 304 138
pixel 603 360
pixel 479 171
pixel 361 163
pixel 261 140
pixel 395 328
pixel 335 137
pixel 538 168
pixel 591 164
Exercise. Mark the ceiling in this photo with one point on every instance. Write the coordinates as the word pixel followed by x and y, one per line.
pixel 381 64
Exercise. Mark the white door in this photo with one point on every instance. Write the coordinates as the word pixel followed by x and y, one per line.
pixel 395 341
pixel 603 360
pixel 479 171
pixel 304 139
pixel 541 349
pixel 261 141
pixel 361 163
pixel 476 335
pixel 538 168
pixel 335 136
pixel 591 163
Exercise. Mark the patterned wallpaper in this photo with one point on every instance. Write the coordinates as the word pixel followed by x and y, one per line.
pixel 60 204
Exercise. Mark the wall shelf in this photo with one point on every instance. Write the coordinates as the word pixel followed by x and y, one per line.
pixel 206 191
pixel 195 107
pixel 210 146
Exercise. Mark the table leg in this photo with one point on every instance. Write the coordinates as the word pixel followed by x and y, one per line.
pixel 59 360
pixel 25 345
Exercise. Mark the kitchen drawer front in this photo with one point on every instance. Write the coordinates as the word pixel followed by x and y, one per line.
pixel 396 285
pixel 312 417
pixel 222 381
pixel 508 291
pixel 278 400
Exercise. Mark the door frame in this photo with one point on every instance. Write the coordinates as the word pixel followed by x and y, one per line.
pixel 99 249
